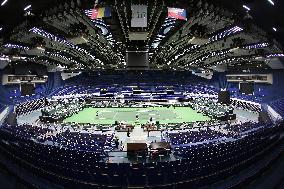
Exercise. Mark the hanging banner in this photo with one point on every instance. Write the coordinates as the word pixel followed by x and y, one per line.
pixel 139 16
pixel 101 12
pixel 177 13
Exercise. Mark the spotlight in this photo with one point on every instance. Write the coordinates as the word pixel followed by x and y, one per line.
pixel 4 2
pixel 27 7
pixel 246 7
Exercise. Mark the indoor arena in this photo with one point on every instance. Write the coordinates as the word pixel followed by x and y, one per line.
pixel 141 94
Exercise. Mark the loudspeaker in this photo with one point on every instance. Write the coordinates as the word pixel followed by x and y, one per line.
pixel 27 89
pixel 170 92
pixel 224 97
pixel 136 92
pixel 247 88
pixel 264 117
pixel 103 91
pixel 11 119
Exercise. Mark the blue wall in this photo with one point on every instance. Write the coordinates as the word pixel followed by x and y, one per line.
pixel 267 91
pixel 272 92
pixel 4 93
pixel 54 81
pixel 219 81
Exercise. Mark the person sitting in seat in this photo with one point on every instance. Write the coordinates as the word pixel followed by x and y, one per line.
pixel 128 132
pixel 116 141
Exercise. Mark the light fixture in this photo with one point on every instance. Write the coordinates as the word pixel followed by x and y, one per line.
pixel 4 58
pixel 271 2
pixel 234 49
pixel 40 48
pixel 246 7
pixel 274 29
pixel 4 2
pixel 27 7
pixel 18 57
pixel 1 29
pixel 86 40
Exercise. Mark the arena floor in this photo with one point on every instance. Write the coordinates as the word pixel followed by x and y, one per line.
pixel 162 114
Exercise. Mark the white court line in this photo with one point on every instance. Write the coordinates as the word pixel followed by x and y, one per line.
pixel 115 116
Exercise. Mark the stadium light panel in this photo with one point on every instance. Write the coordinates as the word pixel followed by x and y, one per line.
pixel 27 7
pixel 40 48
pixel 4 2
pixel 246 7
pixel 271 2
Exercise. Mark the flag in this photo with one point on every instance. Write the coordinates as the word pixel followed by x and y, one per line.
pixel 101 12
pixel 177 13
pixel 94 13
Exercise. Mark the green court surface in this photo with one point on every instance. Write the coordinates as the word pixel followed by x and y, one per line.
pixel 162 114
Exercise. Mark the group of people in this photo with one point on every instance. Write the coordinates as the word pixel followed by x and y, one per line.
pixel 137 118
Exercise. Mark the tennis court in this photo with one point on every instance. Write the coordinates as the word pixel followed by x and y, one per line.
pixel 161 114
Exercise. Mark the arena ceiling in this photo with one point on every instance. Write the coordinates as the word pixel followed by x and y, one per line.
pixel 217 35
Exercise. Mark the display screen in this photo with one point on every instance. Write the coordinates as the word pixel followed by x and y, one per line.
pixel 247 88
pixel 224 97
pixel 137 59
pixel 27 89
